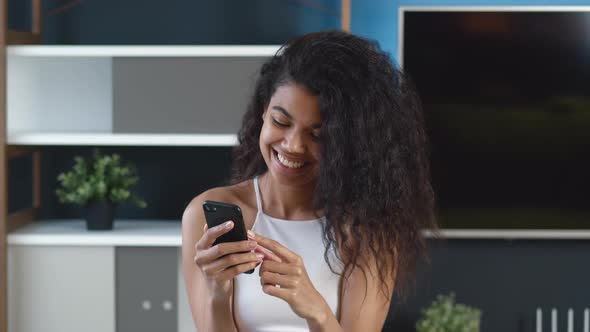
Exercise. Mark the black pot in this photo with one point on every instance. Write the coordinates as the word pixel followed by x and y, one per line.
pixel 100 215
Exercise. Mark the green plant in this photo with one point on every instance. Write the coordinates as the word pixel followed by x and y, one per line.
pixel 444 315
pixel 98 178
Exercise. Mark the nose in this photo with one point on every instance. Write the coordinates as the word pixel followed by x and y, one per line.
pixel 294 142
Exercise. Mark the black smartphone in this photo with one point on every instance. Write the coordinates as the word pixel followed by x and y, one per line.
pixel 216 213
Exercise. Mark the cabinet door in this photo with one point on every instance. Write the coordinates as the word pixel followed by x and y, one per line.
pixel 185 318
pixel 146 285
pixel 61 289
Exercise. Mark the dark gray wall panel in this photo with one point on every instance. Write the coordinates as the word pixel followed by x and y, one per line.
pixel 169 178
pixel 187 95
pixel 20 183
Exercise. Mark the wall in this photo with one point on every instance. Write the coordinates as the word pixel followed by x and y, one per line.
pixel 177 21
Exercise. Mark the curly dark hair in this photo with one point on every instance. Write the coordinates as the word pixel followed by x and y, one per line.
pixel 374 177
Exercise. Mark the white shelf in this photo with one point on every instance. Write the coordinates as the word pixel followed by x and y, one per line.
pixel 117 139
pixel 159 233
pixel 85 95
pixel 143 51
pixel 162 233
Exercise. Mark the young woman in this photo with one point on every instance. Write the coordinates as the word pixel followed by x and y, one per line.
pixel 332 176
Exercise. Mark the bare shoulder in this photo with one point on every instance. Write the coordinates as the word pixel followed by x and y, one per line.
pixel 241 194
pixel 193 213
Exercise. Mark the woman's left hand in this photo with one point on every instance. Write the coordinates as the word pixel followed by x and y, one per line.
pixel 287 279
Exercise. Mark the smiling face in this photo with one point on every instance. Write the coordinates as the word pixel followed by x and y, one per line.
pixel 289 136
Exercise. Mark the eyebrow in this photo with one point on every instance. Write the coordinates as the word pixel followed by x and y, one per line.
pixel 290 117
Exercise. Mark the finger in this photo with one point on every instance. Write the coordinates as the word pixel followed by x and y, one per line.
pixel 235 270
pixel 267 254
pixel 272 245
pixel 213 233
pixel 229 261
pixel 276 267
pixel 277 280
pixel 222 249
pixel 280 292
pixel 198 244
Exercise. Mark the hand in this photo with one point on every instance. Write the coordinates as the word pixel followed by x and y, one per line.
pixel 285 277
pixel 222 262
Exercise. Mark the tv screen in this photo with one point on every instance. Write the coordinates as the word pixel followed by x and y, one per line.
pixel 506 96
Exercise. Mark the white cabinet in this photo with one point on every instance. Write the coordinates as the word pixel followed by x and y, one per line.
pixel 61 288
pixel 62 278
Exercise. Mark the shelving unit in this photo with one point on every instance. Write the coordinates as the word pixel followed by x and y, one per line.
pixel 84 96
pixel 91 96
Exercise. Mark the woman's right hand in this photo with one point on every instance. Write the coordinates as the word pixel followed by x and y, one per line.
pixel 220 263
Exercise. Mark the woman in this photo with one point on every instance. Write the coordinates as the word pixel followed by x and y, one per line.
pixel 332 176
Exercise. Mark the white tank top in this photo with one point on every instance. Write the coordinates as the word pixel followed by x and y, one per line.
pixel 255 310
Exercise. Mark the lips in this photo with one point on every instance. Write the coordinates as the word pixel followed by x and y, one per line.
pixel 290 161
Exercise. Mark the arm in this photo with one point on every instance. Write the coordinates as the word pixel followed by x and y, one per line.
pixel 209 269
pixel 363 306
pixel 209 313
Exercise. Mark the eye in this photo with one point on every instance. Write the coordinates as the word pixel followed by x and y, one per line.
pixel 314 136
pixel 278 123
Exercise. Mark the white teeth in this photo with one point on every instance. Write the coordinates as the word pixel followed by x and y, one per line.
pixel 288 163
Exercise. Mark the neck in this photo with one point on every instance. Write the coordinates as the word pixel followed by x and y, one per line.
pixel 287 202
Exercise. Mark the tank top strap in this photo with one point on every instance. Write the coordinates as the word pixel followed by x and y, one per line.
pixel 257 190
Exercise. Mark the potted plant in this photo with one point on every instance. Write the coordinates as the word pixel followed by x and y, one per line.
pixel 444 315
pixel 98 183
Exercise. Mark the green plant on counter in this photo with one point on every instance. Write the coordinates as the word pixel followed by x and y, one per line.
pixel 444 315
pixel 98 178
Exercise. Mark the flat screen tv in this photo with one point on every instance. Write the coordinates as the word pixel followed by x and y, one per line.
pixel 506 94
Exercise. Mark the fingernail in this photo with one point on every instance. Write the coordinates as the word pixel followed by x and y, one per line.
pixel 251 234
pixel 229 224
pixel 252 244
pixel 260 256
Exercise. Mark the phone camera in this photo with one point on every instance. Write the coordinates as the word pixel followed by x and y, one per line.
pixel 210 208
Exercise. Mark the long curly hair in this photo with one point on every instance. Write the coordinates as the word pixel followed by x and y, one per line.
pixel 374 178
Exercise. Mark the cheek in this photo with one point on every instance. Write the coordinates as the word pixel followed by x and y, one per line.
pixel 315 152
pixel 266 140
pixel 265 135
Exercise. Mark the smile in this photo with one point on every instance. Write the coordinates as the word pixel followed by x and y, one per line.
pixel 292 164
